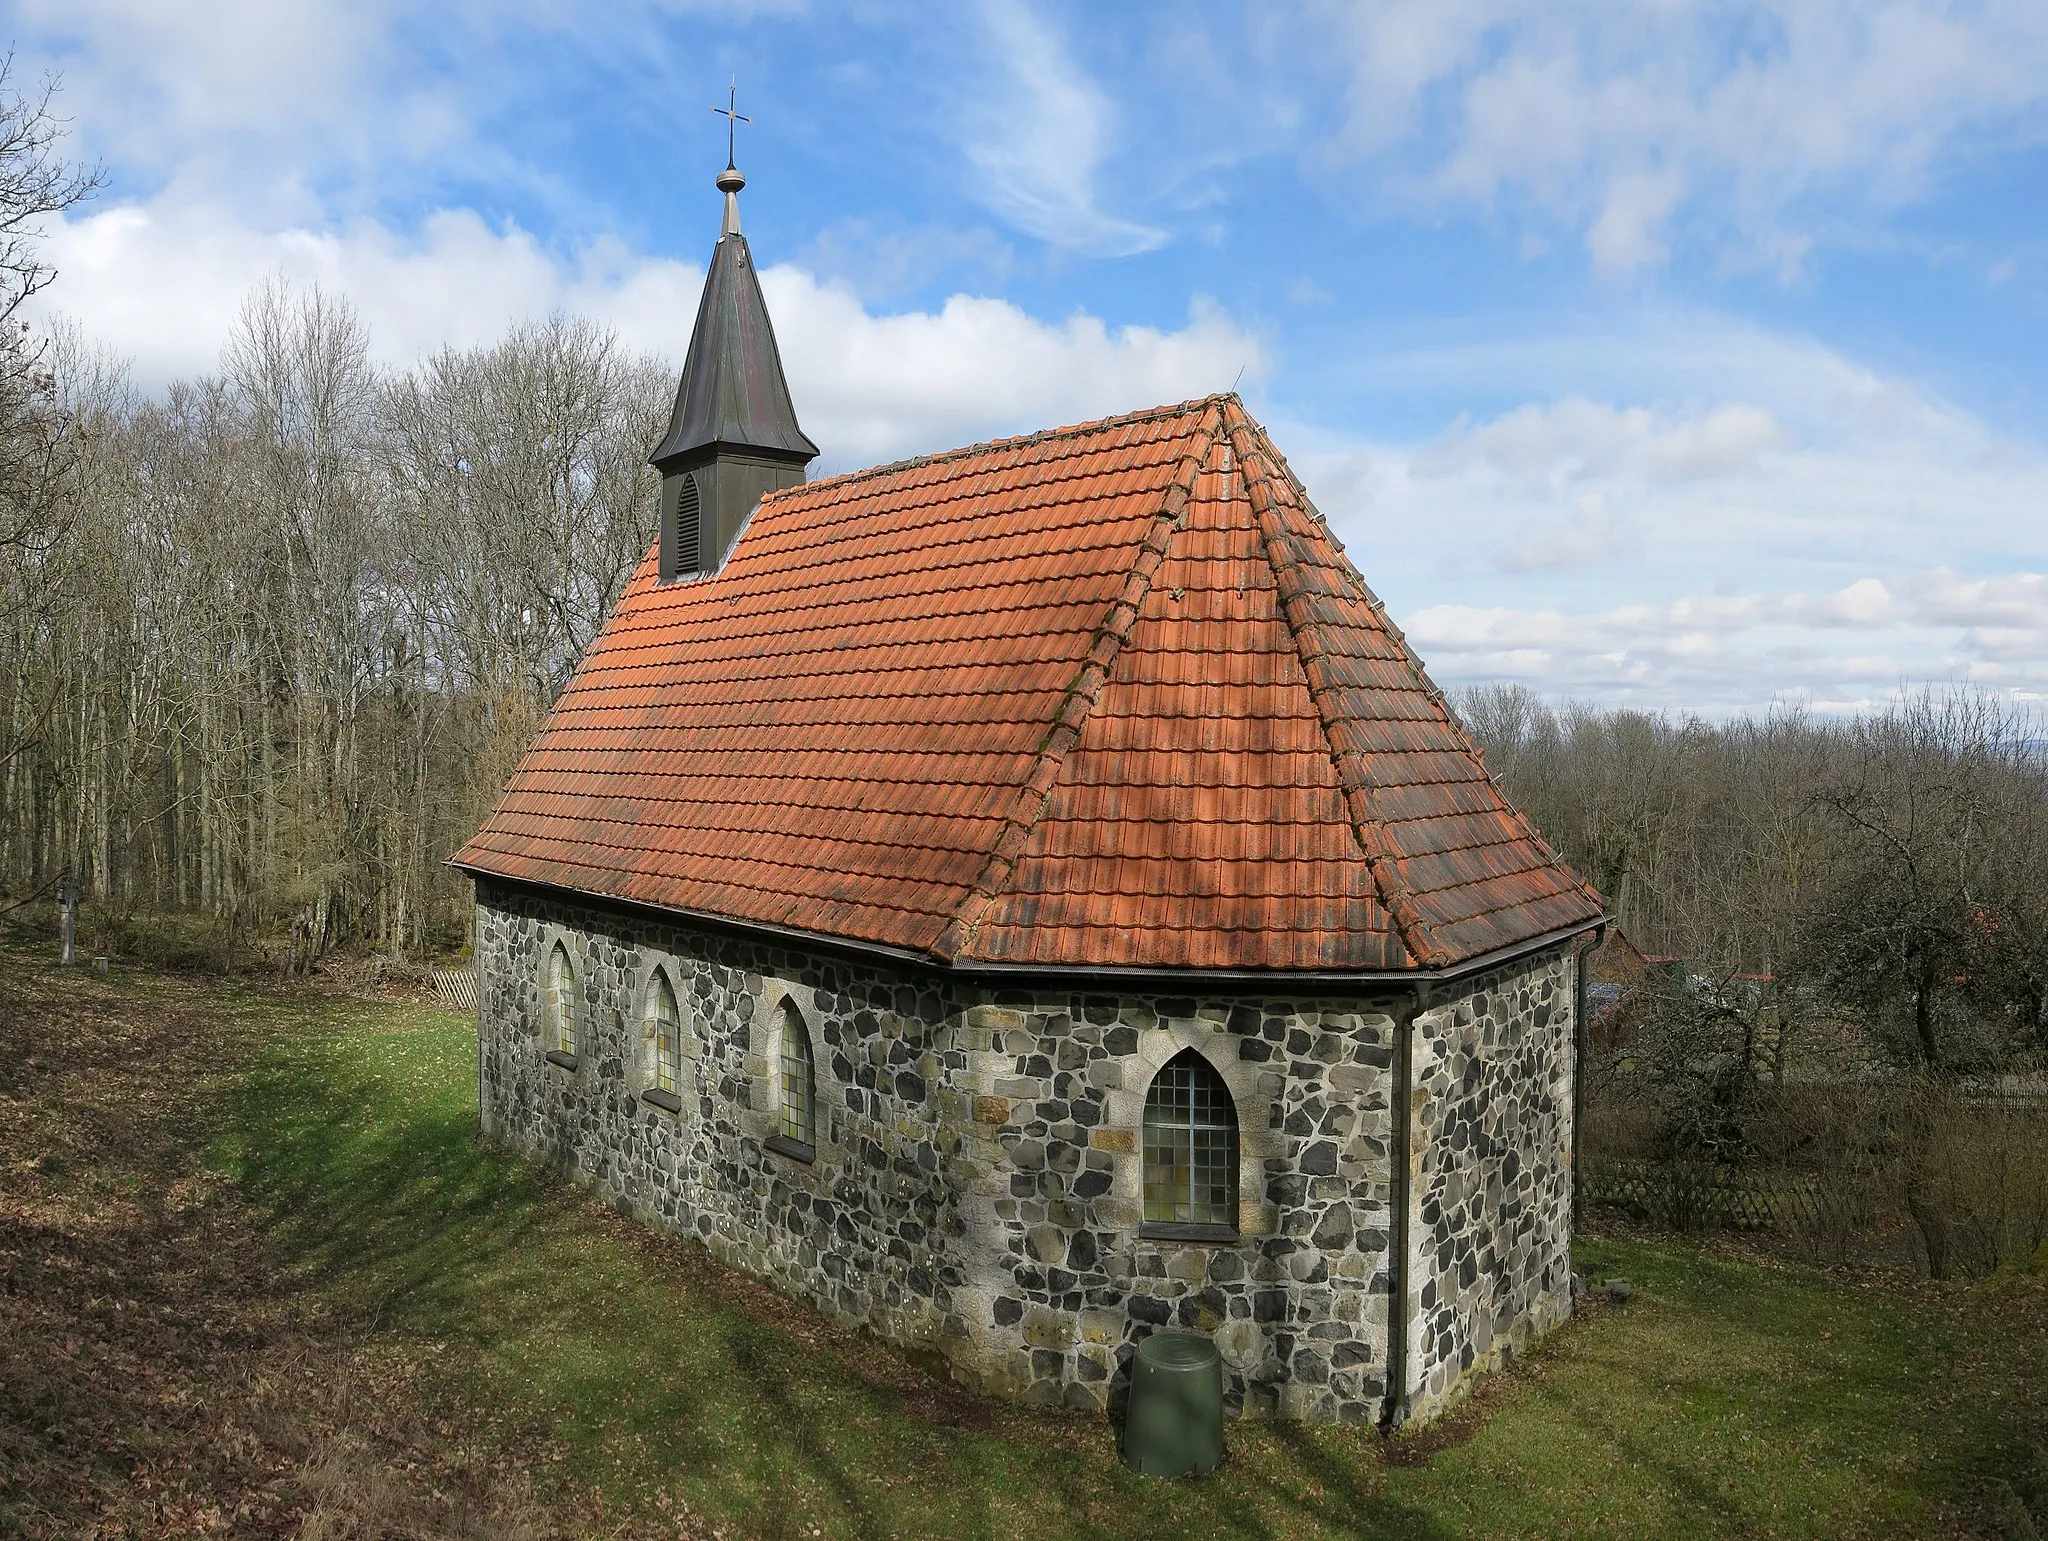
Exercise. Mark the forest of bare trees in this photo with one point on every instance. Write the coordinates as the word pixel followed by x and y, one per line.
pixel 1853 1022
pixel 272 638
pixel 1896 862
pixel 294 620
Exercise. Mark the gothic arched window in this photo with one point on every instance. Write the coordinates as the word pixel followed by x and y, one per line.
pixel 797 1082
pixel 667 1019
pixel 1190 1146
pixel 559 1002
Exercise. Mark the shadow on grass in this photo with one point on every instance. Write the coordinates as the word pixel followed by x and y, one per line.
pixel 664 1373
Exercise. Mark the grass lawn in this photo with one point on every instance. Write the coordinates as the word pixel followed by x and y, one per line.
pixel 260 1275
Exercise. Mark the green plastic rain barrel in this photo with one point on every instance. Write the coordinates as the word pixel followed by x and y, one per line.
pixel 1174 1424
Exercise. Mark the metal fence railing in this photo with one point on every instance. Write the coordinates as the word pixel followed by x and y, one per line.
pixel 1690 1196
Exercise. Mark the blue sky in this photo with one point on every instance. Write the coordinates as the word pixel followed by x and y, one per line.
pixel 1681 353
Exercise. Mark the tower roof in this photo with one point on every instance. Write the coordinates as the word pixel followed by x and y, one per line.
pixel 733 393
pixel 1105 697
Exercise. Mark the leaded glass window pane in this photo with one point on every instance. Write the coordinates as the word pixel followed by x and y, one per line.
pixel 668 1030
pixel 799 1099
pixel 1190 1146
pixel 561 1000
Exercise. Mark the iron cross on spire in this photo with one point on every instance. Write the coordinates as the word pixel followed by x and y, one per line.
pixel 733 119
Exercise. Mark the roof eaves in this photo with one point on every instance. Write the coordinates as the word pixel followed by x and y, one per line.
pixel 1082 693
pixel 1287 978
pixel 971 968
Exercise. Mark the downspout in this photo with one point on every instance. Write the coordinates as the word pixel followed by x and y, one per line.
pixel 476 911
pixel 1395 1408
pixel 1579 955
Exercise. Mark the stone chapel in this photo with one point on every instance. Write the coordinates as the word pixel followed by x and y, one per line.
pixel 1022 898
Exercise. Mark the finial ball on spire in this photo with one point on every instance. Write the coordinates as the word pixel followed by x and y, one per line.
pixel 729 180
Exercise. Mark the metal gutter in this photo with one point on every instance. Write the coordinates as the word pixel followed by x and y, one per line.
pixel 474 907
pixel 1065 974
pixel 817 939
pixel 1405 977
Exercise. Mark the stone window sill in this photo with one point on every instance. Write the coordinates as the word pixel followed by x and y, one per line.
pixel 1210 1235
pixel 668 1102
pixel 796 1150
pixel 566 1061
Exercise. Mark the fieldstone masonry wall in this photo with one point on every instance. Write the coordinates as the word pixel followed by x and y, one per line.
pixel 1491 1227
pixel 977 1182
pixel 1062 1280
pixel 858 1230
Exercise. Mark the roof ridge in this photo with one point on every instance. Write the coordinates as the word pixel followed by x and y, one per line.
pixel 1352 773
pixel 1043 435
pixel 1432 693
pixel 1082 692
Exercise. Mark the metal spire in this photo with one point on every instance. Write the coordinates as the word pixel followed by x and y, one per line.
pixel 733 394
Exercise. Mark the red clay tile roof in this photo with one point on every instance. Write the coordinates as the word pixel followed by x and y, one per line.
pixel 1107 696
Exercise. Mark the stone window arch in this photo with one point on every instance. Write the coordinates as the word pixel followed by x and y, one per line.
pixel 560 1025
pixel 665 1047
pixel 1191 1166
pixel 796 1086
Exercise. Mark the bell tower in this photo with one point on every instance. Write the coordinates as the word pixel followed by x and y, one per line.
pixel 733 437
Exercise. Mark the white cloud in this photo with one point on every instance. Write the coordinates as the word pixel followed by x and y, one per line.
pixel 1621 119
pixel 882 386
pixel 1591 532
pixel 1935 599
pixel 1730 652
pixel 1574 439
pixel 1710 555
pixel 162 283
pixel 1041 128
pixel 2018 600
pixel 1628 231
pixel 160 85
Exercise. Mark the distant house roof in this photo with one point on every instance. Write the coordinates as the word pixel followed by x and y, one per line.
pixel 1617 958
pixel 1109 696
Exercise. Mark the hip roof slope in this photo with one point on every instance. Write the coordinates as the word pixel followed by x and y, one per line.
pixel 1106 696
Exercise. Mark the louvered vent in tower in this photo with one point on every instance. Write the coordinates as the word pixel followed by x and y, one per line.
pixel 689 525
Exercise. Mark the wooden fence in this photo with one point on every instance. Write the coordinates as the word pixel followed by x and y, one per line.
pixel 456 986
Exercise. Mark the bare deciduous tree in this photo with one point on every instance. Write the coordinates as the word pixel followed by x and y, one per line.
pixel 303 616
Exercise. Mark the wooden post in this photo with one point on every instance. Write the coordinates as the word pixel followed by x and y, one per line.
pixel 68 899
